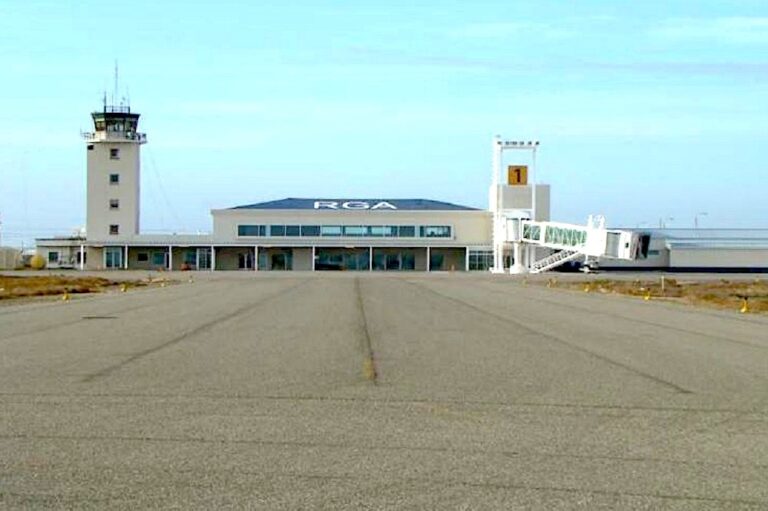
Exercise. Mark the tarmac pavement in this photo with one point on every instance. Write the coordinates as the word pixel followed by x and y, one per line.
pixel 380 391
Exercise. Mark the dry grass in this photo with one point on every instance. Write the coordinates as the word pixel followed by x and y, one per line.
pixel 24 287
pixel 720 294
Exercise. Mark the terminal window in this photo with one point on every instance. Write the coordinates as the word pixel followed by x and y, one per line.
pixel 435 231
pixel 251 230
pixel 356 231
pixel 53 257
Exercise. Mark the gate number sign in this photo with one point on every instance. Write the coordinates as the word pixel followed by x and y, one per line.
pixel 517 175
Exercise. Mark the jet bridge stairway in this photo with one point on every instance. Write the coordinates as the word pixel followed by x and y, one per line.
pixel 553 261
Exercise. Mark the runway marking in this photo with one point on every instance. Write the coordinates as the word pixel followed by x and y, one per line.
pixel 369 362
pixel 197 330
pixel 558 340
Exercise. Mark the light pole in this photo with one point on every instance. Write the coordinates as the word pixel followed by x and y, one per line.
pixel 696 218
pixel 663 222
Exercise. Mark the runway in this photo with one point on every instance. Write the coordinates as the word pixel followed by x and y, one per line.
pixel 380 391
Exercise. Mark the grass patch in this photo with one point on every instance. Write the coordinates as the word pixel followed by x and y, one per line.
pixel 25 287
pixel 719 294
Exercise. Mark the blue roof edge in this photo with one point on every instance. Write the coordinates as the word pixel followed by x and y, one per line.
pixel 294 203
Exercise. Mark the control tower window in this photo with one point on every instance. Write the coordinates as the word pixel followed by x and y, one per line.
pixel 114 179
pixel 114 153
pixel 114 204
pixel 114 229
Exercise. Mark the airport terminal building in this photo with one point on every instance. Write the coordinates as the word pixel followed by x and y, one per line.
pixel 303 234
pixel 309 234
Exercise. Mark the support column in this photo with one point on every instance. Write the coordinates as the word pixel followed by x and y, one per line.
pixel 213 258
pixel 125 261
pixel 313 258
pixel 256 258
pixel 466 259
pixel 517 253
pixel 370 258
pixel 82 257
pixel 429 259
pixel 170 257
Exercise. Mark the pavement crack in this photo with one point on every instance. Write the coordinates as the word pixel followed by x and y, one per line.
pixel 369 363
pixel 555 339
pixel 190 333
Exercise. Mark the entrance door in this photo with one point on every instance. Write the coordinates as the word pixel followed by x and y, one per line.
pixel 245 261
pixel 203 258
pixel 113 257
pixel 436 261
pixel 278 261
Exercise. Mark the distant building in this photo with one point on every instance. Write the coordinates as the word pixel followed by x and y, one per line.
pixel 381 234
pixel 10 258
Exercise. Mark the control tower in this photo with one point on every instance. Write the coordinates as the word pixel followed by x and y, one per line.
pixel 113 174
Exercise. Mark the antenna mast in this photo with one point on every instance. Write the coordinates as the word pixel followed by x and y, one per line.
pixel 114 92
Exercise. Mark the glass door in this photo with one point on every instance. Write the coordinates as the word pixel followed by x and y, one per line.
pixel 113 257
pixel 203 258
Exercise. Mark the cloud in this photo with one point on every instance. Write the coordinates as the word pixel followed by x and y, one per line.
pixel 730 30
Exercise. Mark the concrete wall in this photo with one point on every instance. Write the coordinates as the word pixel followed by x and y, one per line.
pixel 99 216
pixel 520 197
pixel 302 259
pixel 10 258
pixel 469 227
pixel 718 258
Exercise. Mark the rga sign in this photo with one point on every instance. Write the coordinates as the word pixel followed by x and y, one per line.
pixel 353 204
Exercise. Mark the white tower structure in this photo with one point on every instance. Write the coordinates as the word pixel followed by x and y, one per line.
pixel 512 200
pixel 113 174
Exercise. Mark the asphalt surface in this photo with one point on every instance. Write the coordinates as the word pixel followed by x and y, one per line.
pixel 380 391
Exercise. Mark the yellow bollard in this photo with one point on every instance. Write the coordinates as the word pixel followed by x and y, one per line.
pixel 65 296
pixel 744 306
pixel 123 287
pixel 647 295
pixel 587 288
pixel 162 284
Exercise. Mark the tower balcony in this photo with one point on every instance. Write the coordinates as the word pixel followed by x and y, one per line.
pixel 115 136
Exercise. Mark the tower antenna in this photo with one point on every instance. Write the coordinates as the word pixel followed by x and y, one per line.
pixel 114 92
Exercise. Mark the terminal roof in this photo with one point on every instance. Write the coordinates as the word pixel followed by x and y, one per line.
pixel 400 204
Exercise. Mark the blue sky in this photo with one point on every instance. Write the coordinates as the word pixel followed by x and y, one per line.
pixel 644 110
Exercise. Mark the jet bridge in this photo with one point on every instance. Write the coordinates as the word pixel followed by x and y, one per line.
pixel 568 242
pixel 518 222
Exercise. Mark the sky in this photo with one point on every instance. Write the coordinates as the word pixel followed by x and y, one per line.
pixel 646 112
